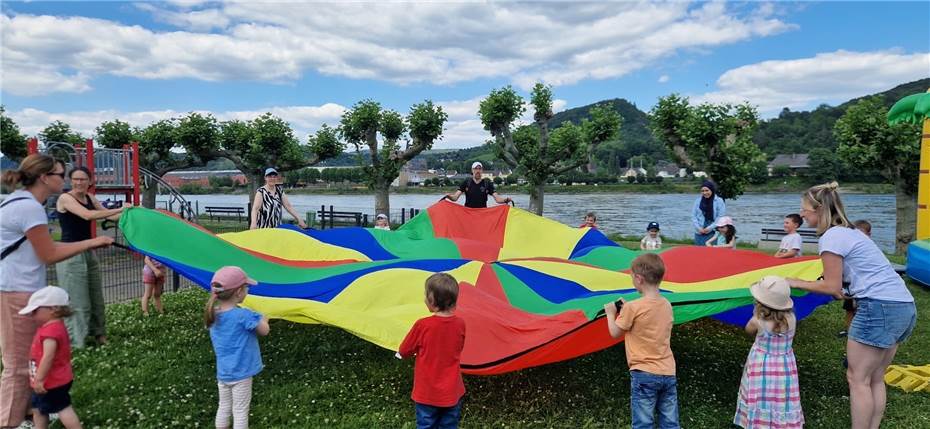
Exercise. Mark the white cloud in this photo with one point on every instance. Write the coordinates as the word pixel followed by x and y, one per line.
pixel 440 43
pixel 664 78
pixel 804 83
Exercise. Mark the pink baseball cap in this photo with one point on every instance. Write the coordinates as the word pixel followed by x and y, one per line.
pixel 230 278
pixel 724 221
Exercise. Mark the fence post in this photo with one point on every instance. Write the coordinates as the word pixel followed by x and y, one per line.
pixel 332 217
pixel 403 216
pixel 248 209
pixel 175 281
pixel 365 220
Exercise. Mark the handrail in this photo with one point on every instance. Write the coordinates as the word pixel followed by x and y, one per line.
pixel 176 198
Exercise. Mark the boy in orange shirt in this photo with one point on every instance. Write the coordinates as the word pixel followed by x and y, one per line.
pixel 647 324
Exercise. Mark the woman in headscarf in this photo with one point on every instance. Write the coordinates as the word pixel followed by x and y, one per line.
pixel 707 209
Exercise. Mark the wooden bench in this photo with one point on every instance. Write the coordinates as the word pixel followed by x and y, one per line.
pixel 771 238
pixel 225 211
pixel 351 218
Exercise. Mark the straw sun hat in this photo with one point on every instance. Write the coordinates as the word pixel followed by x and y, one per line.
pixel 772 292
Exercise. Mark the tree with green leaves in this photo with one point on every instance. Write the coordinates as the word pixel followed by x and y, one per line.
pixel 60 132
pixel 866 140
pixel 824 166
pixel 715 138
pixel 195 135
pixel 538 154
pixel 361 126
pixel 12 142
pixel 268 141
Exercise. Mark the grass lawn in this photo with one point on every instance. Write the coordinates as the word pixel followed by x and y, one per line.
pixel 159 372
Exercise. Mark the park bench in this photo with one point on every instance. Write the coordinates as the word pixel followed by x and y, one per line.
pixel 350 218
pixel 771 238
pixel 225 211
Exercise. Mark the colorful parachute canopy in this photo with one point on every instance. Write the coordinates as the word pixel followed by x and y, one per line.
pixel 532 289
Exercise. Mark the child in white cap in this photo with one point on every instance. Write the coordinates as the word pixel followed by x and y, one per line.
pixel 725 235
pixel 382 222
pixel 769 395
pixel 50 373
pixel 233 332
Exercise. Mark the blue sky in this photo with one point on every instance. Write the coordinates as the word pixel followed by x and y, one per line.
pixel 87 62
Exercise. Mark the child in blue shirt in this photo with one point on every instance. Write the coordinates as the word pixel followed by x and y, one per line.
pixel 233 331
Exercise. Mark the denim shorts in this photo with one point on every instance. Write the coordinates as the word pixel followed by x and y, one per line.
pixel 881 323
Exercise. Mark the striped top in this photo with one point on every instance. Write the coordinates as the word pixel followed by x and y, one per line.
pixel 271 212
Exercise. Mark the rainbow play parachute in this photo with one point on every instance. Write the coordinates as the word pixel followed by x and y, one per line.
pixel 532 289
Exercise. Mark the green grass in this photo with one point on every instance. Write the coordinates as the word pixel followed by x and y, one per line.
pixel 159 372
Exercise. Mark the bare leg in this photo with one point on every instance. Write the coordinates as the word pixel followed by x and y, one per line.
pixel 69 418
pixel 878 387
pixel 39 420
pixel 864 361
pixel 145 299
pixel 156 293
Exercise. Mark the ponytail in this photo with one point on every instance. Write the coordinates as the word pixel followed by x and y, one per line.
pixel 29 171
pixel 779 318
pixel 825 199
pixel 216 293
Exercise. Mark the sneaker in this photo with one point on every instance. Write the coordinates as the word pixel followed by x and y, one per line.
pixel 842 334
pixel 26 424
pixel 845 362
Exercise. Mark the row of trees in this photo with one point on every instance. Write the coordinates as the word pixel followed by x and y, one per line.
pixel 715 138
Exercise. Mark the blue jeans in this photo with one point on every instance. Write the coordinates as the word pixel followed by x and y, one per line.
pixel 651 393
pixel 429 417
pixel 881 323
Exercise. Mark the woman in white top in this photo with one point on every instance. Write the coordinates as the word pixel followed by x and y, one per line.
pixel 27 248
pixel 886 315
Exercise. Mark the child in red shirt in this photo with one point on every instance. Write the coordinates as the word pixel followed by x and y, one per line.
pixel 437 342
pixel 50 358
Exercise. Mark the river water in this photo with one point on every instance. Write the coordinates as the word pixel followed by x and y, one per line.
pixel 623 213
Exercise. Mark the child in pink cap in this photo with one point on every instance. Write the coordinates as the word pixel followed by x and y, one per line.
pixel 233 332
pixel 725 235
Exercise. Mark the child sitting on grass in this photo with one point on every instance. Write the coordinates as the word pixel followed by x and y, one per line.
pixel 791 243
pixel 725 235
pixel 647 324
pixel 437 342
pixel 50 371
pixel 233 332
pixel 769 396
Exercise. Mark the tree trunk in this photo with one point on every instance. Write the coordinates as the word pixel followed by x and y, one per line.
pixel 148 195
pixel 905 225
pixel 383 198
pixel 255 181
pixel 537 193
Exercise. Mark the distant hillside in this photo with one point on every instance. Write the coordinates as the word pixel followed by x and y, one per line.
pixel 799 132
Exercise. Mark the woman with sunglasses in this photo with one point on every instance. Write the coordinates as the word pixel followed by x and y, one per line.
pixel 886 313
pixel 268 202
pixel 80 274
pixel 27 248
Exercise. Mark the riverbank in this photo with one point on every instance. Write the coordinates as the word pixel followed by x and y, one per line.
pixel 790 186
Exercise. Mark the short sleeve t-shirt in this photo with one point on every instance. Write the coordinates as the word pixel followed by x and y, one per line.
pixel 60 374
pixel 21 270
pixel 648 322
pixel 792 241
pixel 869 273
pixel 437 343
pixel 236 345
pixel 650 243
pixel 476 194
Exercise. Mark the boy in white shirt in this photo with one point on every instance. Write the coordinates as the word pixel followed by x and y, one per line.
pixel 791 243
pixel 652 240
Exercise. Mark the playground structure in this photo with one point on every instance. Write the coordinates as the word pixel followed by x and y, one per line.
pixel 915 108
pixel 116 172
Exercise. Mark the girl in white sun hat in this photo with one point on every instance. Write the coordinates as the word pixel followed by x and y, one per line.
pixel 769 396
pixel 725 235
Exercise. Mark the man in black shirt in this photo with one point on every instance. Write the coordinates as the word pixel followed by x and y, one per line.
pixel 476 190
